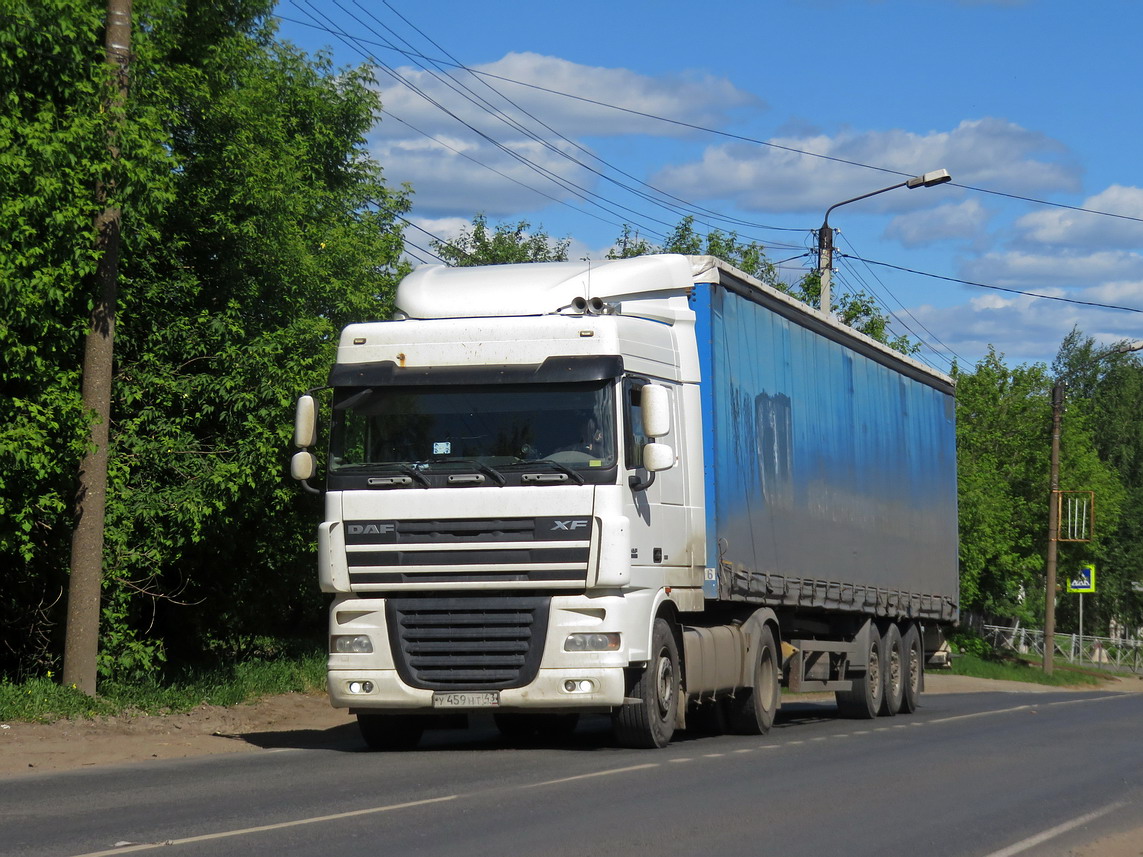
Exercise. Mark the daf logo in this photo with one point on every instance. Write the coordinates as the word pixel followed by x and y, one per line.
pixel 576 524
pixel 371 529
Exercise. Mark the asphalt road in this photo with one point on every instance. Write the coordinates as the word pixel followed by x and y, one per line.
pixel 989 774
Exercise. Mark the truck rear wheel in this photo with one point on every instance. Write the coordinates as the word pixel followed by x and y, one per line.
pixel 751 710
pixel 914 665
pixel 391 731
pixel 650 722
pixel 893 668
pixel 863 700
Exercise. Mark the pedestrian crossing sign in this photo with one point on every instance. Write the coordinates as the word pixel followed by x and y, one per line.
pixel 1084 580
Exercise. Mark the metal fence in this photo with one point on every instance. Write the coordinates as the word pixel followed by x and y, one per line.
pixel 1101 652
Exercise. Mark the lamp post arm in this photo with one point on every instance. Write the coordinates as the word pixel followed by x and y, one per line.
pixel 825 236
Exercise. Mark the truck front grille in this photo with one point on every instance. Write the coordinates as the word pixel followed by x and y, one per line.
pixel 546 552
pixel 467 643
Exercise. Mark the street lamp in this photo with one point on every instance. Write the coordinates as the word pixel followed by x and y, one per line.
pixel 825 234
pixel 1058 393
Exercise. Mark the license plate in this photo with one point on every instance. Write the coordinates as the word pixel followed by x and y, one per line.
pixel 467 699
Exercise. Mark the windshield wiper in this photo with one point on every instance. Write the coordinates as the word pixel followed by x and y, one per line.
pixel 409 470
pixel 563 468
pixel 496 475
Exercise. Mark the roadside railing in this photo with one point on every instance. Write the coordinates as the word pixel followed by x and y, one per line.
pixel 1101 652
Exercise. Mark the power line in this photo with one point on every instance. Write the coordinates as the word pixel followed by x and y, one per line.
pixel 730 135
pixel 586 195
pixel 905 310
pixel 995 288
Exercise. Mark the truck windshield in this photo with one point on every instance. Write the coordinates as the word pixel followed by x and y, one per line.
pixel 500 426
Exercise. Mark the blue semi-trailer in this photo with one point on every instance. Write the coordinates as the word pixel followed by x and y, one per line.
pixel 650 487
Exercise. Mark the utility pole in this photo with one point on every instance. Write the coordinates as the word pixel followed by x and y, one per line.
pixel 81 643
pixel 1053 529
pixel 825 265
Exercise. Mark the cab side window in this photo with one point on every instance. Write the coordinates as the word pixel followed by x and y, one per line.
pixel 634 437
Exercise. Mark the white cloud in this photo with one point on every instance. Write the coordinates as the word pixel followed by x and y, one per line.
pixel 1070 228
pixel 463 175
pixel 989 152
pixel 695 98
pixel 1028 329
pixel 964 221
pixel 455 168
pixel 1035 270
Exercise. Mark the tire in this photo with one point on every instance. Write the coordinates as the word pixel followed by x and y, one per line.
pixel 914 665
pixel 650 722
pixel 863 700
pixel 391 731
pixel 893 670
pixel 751 710
pixel 528 727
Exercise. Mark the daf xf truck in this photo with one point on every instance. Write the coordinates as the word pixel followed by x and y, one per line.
pixel 653 488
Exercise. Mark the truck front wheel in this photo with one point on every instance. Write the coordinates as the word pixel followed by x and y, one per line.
pixel 650 721
pixel 391 731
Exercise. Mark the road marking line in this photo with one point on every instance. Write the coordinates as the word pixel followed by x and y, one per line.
pixel 207 837
pixel 1052 833
pixel 591 775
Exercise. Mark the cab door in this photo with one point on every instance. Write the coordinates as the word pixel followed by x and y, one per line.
pixel 658 514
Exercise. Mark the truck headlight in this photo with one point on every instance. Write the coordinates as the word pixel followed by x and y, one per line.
pixel 592 643
pixel 350 644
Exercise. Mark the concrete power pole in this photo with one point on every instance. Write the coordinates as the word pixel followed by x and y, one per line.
pixel 81 644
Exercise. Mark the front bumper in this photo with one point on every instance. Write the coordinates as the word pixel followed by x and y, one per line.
pixel 548 692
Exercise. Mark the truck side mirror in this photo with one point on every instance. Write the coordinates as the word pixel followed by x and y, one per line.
pixel 658 456
pixel 305 423
pixel 303 465
pixel 656 410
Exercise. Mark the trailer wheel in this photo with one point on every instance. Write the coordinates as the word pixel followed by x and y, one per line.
pixel 863 700
pixel 893 668
pixel 751 710
pixel 914 664
pixel 650 722
pixel 391 731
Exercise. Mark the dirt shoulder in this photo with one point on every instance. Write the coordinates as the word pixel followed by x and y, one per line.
pixel 292 720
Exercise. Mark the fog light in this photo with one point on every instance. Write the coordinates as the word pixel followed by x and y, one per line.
pixel 583 685
pixel 361 687
pixel 592 643
pixel 355 644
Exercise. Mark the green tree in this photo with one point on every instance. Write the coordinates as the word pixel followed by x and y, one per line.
pixel 857 309
pixel 1116 408
pixel 1100 390
pixel 505 244
pixel 255 226
pixel 1003 428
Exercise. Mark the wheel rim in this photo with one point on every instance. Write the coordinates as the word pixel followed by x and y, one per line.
pixel 874 678
pixel 914 670
pixel 766 675
pixel 894 671
pixel 664 682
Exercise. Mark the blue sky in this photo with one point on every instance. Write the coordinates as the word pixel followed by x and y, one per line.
pixel 781 109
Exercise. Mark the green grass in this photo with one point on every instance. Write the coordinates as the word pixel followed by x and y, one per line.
pixel 1011 668
pixel 44 699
